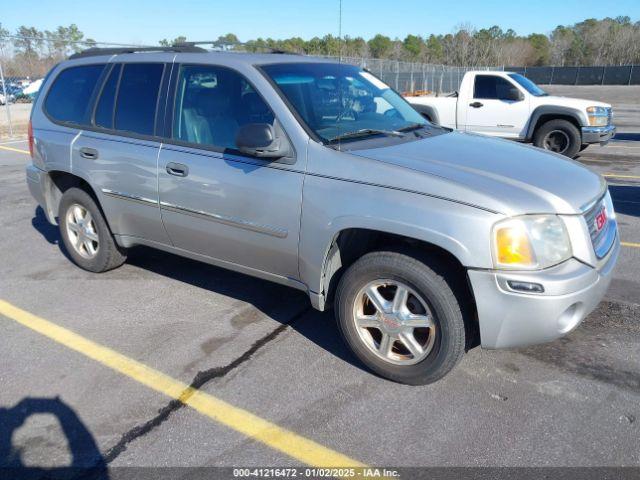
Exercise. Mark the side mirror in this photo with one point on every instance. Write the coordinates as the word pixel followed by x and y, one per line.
pixel 260 140
pixel 514 95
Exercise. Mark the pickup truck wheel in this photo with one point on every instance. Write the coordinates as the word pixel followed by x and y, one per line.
pixel 85 233
pixel 400 318
pixel 559 136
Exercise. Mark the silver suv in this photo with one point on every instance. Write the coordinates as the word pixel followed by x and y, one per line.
pixel 317 175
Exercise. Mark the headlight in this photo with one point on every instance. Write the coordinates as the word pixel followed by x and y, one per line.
pixel 530 242
pixel 598 116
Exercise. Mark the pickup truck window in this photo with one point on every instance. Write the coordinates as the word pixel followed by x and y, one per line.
pixel 491 87
pixel 342 102
pixel 528 85
pixel 212 103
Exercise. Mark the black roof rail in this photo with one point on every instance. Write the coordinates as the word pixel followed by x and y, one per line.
pixel 94 51
pixel 215 43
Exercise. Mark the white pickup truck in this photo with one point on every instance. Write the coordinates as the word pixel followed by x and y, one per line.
pixel 509 105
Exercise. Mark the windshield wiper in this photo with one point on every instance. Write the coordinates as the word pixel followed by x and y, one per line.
pixel 412 126
pixel 365 132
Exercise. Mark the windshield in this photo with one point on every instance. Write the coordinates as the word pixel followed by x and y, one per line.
pixel 343 102
pixel 528 85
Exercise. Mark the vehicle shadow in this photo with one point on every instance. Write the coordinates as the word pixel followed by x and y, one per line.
pixel 283 304
pixel 87 461
pixel 626 199
pixel 51 233
pixel 632 137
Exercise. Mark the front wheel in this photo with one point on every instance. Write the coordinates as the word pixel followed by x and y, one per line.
pixel 400 318
pixel 559 136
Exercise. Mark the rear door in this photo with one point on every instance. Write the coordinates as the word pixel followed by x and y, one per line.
pixel 216 201
pixel 491 112
pixel 118 153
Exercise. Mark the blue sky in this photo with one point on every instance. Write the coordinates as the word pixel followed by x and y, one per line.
pixel 147 21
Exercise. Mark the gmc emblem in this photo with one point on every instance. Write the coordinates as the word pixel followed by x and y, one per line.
pixel 601 219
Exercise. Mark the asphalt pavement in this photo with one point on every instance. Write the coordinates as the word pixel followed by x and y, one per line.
pixel 262 353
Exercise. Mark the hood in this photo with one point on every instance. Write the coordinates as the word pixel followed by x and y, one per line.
pixel 576 103
pixel 500 175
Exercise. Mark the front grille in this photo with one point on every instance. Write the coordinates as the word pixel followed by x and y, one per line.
pixel 603 239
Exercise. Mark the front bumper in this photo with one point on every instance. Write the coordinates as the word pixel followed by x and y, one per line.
pixel 599 135
pixel 513 319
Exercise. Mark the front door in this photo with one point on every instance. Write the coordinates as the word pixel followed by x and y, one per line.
pixel 214 200
pixel 491 112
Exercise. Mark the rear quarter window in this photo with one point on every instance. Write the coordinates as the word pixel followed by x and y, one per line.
pixel 69 96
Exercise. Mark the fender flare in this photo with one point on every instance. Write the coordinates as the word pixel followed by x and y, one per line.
pixel 332 261
pixel 578 115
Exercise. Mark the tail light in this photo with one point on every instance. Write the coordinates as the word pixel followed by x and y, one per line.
pixel 30 133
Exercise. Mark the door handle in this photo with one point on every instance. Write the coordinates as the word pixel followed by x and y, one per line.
pixel 476 104
pixel 177 169
pixel 89 153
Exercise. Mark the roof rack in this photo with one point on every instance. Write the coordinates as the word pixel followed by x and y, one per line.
pixel 216 43
pixel 94 51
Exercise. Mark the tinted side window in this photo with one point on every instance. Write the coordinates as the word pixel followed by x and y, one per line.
pixel 69 96
pixel 212 103
pixel 137 97
pixel 106 103
pixel 490 87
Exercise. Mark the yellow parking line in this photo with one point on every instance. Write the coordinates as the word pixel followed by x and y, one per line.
pixel 294 445
pixel 615 175
pixel 11 149
pixel 630 244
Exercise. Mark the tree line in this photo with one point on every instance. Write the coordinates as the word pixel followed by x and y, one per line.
pixel 609 41
pixel 32 52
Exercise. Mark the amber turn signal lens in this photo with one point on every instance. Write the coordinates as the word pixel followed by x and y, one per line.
pixel 513 246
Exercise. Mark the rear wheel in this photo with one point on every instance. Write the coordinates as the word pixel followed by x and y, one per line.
pixel 559 136
pixel 400 318
pixel 85 233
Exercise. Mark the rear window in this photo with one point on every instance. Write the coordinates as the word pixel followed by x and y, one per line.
pixel 138 97
pixel 69 96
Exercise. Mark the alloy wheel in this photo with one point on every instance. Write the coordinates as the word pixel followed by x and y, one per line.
pixel 82 231
pixel 394 322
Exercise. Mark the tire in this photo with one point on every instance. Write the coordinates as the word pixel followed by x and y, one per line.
pixel 560 136
pixel 97 250
pixel 442 345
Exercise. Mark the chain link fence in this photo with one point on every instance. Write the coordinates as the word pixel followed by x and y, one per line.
pixel 603 75
pixel 411 78
pixel 25 60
